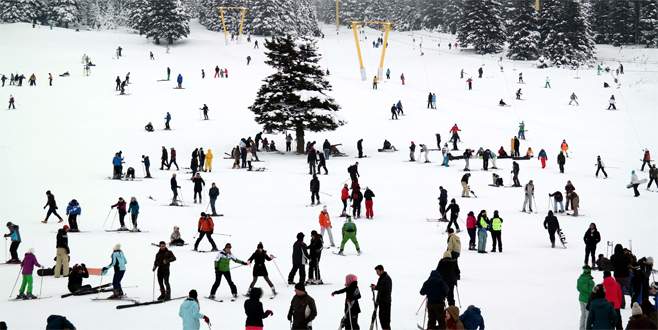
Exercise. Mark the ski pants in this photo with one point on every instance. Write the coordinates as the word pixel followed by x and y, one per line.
pixel 52 210
pixel 471 235
pixel 555 203
pixel 322 166
pixel 590 249
pixel 385 315
pixel 561 165
pixel 583 315
pixel 302 273
pixel 328 230
pixel 207 234
pixel 551 236
pixel 466 160
pixel 369 213
pixel 218 281
pixel 13 249
pixel 644 162
pixel 315 196
pixel 311 168
pixel 133 217
pixel 516 181
pixel 61 260
pixel 351 322
pixel 26 283
pixel 197 193
pixel 349 237
pixel 496 237
pixel 174 199
pixel 435 316
pixel 163 163
pixel 453 219
pixel 122 215
pixel 412 158
pixel 356 209
pixel 465 190
pixel 543 162
pixel 600 168
pixel 650 181
pixel 73 222
pixel 173 162
pixel 635 191
pixel 212 205
pixel 612 106
pixel 527 201
pixel 482 240
pixel 442 210
pixel 314 269
pixel 344 205
pixel 116 280
pixel 163 280
pixel 267 279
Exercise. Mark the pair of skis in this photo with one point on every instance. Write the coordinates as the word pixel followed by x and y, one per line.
pixel 146 303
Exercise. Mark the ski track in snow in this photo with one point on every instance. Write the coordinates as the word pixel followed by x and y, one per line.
pixel 63 138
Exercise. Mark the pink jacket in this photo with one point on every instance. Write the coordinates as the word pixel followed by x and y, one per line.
pixel 29 261
pixel 470 222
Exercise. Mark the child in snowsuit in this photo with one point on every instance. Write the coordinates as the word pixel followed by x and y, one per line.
pixel 27 266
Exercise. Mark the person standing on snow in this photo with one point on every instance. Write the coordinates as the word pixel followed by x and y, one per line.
pixel 189 312
pixel 258 258
pixel 198 186
pixel 27 269
pixel 471 227
pixel 147 166
pixel 205 227
pixel 356 197
pixel 443 201
pixel 179 81
pixel 573 98
pixel 611 103
pixel 213 193
pixel 368 195
pixel 635 183
pixel 483 224
pixel 465 188
pixel 394 112
pixel 311 159
pixel 548 83
pixel 496 232
pixel 299 259
pixel 601 313
pixel 15 236
pixel 450 274
pixel 552 225
pixel 118 264
pixel 542 158
pixel 435 290
pixel 325 225
pixel 52 207
pixel 315 252
pixel 614 295
pixel 529 195
pixel 223 269
pixel 315 189
pixel 653 176
pixel 73 210
pixel 254 310
pixel 480 72
pixel 164 158
pixel 163 259
pixel 173 184
pixel 302 310
pixel 561 160
pixel 12 104
pixel 374 82
pixel 515 174
pixel 344 196
pixel 646 159
pixel 412 152
pixel 585 285
pixel 349 234
pixel 121 209
pixel 167 120
pixel 133 209
pixel 557 199
pixel 591 239
pixel 454 214
pixel 322 163
pixel 384 287
pixel 350 319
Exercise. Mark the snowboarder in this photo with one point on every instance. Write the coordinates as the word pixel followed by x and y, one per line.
pixel 52 207
pixel 454 214
pixel 529 195
pixel 254 310
pixel 483 224
pixel 557 199
pixel 223 268
pixel 552 225
pixel 515 174
pixel 206 228
pixel 611 103
pixel 601 167
pixel 315 248
pixel 118 264
pixel 258 258
pixel 349 233
pixel 350 320
pixel 368 195
pixel 15 237
pixel 635 182
pixel 205 111
pixel 384 287
pixel 592 238
pixel 561 160
pixel 199 183
pixel 299 255
pixel 435 290
pixel 315 189
pixel 167 120
pixel 133 209
pixel 302 309
pixel 12 104
pixel 465 188
pixel 73 210
pixel 573 98
pixel 163 259
pixel 179 81
pixel 189 312
pixel 496 232
pixel 27 268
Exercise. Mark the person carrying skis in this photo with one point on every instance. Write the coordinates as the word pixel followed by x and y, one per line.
pixel 133 209
pixel 302 310
pixel 118 264
pixel 167 127
pixel 163 259
pixel 189 312
pixel 465 188
pixel 349 233
pixel 646 159
pixel 573 98
pixel 198 186
pixel 315 252
pixel 223 268
pixel 635 182
pixel 52 207
pixel 611 103
pixel 73 210
pixel 449 272
pixel 384 287
pixel 315 189
pixel 529 195
pixel 27 269
pixel 325 225
pixel 552 225
pixel 368 195
pixel 258 259
pixel 515 174
pixel 557 199
pixel 253 308
pixel 454 214
pixel 591 238
pixel 205 228
pixel 299 259
pixel 585 285
pixel 173 184
pixel 435 290
pixel 350 319
pixel 15 236
pixel 483 225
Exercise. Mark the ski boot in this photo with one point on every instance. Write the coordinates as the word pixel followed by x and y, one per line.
pixel 340 252
pixel 122 228
pixel 115 295
pixel 211 296
pixel 30 296
pixel 358 252
pixel 21 296
pixel 167 296
pixel 162 295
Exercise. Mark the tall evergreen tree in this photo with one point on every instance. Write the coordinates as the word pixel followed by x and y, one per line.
pixel 570 41
pixel 482 26
pixel 621 21
pixel 295 96
pixel 523 33
pixel 432 13
pixel 550 17
pixel 137 11
pixel 167 19
pixel 452 15
pixel 601 23
pixel 64 13
pixel 649 25
pixel 12 11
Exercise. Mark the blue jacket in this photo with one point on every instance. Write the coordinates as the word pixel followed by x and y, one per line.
pixel 168 116
pixel 472 319
pixel 189 312
pixel 14 234
pixel 118 260
pixel 180 78
pixel 116 161
pixel 73 208
pixel 601 315
pixel 434 288
pixel 133 208
pixel 542 154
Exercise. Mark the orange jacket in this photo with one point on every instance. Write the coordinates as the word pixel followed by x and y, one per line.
pixel 564 146
pixel 206 225
pixel 324 220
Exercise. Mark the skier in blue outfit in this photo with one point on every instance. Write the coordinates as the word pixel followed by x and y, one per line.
pixel 472 319
pixel 119 265
pixel 73 210
pixel 179 80
pixel 189 312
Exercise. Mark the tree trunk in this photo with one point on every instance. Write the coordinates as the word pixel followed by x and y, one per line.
pixel 299 136
pixel 157 41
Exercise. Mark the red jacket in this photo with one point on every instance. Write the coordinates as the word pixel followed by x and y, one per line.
pixel 206 225
pixel 470 222
pixel 647 156
pixel 612 292
pixel 344 194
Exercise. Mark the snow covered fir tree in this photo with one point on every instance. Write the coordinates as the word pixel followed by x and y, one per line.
pixel 481 26
pixel 295 96
pixel 566 35
pixel 523 31
pixel 166 20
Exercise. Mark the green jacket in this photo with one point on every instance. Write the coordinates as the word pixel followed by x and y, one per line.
pixel 223 261
pixel 585 284
pixel 349 228
pixel 496 224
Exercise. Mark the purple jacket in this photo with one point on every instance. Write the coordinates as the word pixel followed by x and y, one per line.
pixel 29 261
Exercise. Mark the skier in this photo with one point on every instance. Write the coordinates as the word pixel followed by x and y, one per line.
pixel 205 111
pixel 383 287
pixel 118 82
pixel 496 232
pixel 592 238
pixel 585 285
pixel 394 112
pixel 611 103
pixel 443 201
pixel 315 248
pixel 213 193
pixel 635 182
pixel 356 197
pixel 353 170
pixel 168 73
pixel 208 162
pixel 198 186
pixel 483 224
pixel 254 310
pixel 147 166
pixel 118 264
pixel 117 163
pixel 548 83
pixel 521 78
pixel 557 199
pixel 223 268
pixel 518 94
pixel 552 225
pixel 573 98
pixel 189 312
pixel 646 159
pixel 121 209
pixel 27 268
pixel 449 272
pixel 52 207
pixel 73 210
pixel 350 320
pixel 15 237
pixel 653 176
pixel 167 120
pixel 133 209
pixel 412 152
pixel 325 225
pixel 469 81
pixel 454 214
pixel 561 160
pixel 164 158
pixel 12 104
pixel 179 81
pixel 299 255
pixel 522 130
pixel 173 184
pixel 529 195
pixel 374 82
pixel 542 158
pixel 163 259
pixel 349 233
pixel 258 258
pixel 322 163
pixel 315 189
pixel 302 309
pixel 359 148
pixel 601 167
pixel 248 59
pixel 465 188
pixel 205 227
pixel 435 290
pixel 480 72
pixel 368 195
pixel 344 196
pixel 515 173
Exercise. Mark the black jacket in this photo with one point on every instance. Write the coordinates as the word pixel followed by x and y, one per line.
pixel 352 295
pixel 58 322
pixel 384 288
pixel 592 238
pixel 163 259
pixel 449 271
pixel 466 177
pixel 434 288
pixel 198 183
pixel 557 196
pixel 454 209
pixel 299 249
pixel 213 192
pixel 311 157
pixel 258 259
pixel 51 202
pixel 561 159
pixel 368 195
pixel 515 168
pixel 173 183
pixel 62 240
pixel 297 311
pixel 315 247
pixel 353 170
pixel 443 197
pixel 326 145
pixel 315 185
pixel 550 223
pixel 76 277
pixel 255 314
pixel 321 160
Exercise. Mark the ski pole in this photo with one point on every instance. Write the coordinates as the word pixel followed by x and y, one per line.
pixel 238 266
pixel 220 234
pixel 534 202
pixel 40 284
pixel 15 282
pixel 207 206
pixel 458 298
pixel 6 248
pixel 153 285
pixel 421 306
pixel 280 273
pixel 107 217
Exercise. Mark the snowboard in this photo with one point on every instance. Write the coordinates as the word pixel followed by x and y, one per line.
pixel 158 245
pixel 630 185
pixel 563 239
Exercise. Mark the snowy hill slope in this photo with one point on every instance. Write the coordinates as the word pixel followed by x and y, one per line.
pixel 63 138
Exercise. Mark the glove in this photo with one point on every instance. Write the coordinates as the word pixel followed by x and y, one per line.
pixel 154 268
pixel 104 269
pixel 269 313
pixel 206 319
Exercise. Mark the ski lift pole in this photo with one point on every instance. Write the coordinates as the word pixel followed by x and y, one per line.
pixel 279 271
pixel 362 69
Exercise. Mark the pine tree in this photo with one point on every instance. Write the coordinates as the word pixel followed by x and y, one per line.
pixel 295 96
pixel 579 32
pixel 621 21
pixel 523 33
pixel 649 25
pixel 352 10
pixel 452 15
pixel 64 12
pixel 136 12
pixel 306 19
pixel 167 19
pixel 482 26
pixel 549 18
pixel 433 13
pixel 12 11
pixel 568 38
pixel 266 20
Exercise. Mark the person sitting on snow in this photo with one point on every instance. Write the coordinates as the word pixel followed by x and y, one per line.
pixel 497 180
pixel 388 146
pixel 149 127
pixel 502 103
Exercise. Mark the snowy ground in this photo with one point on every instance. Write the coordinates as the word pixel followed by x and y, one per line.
pixel 63 138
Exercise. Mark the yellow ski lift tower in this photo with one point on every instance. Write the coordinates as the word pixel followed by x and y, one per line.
pixel 337 16
pixel 243 12
pixel 387 29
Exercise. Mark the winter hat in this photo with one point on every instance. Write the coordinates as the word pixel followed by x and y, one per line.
pixel 649 260
pixel 300 286
pixel 193 294
pixel 66 227
pixel 636 309
pixel 453 311
pixel 324 207
pixel 117 247
pixel 447 254
pixel 9 224
pixel 30 250
pixel 300 235
pixel 260 245
pixel 162 242
pixel 349 279
pixel 314 233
